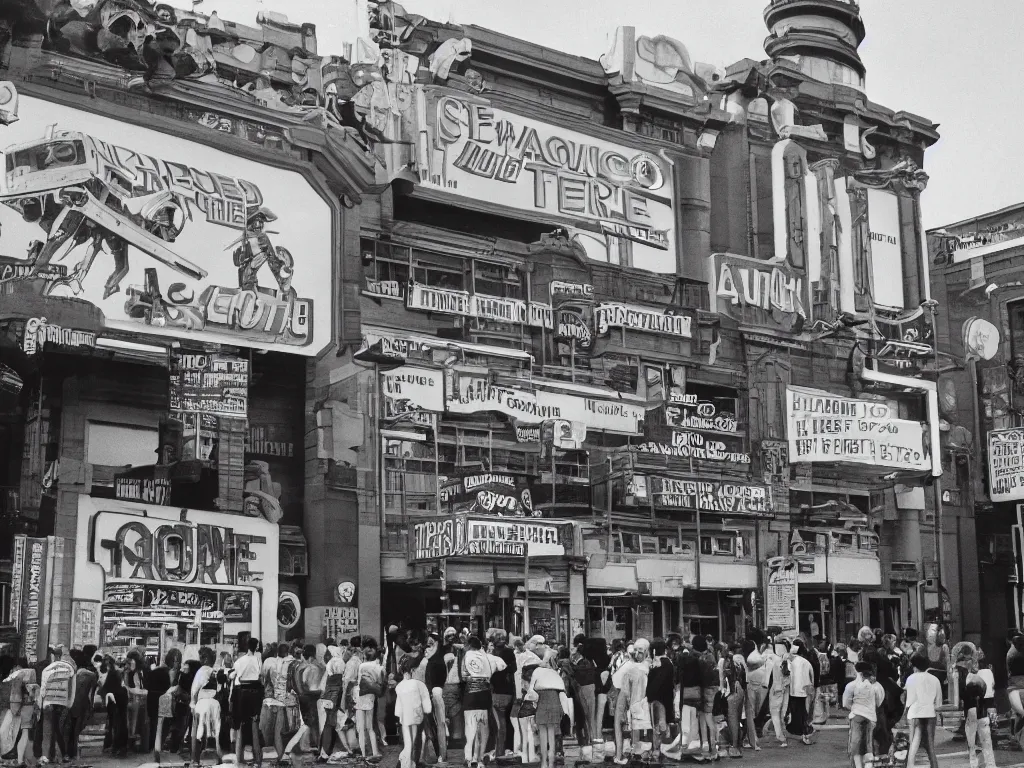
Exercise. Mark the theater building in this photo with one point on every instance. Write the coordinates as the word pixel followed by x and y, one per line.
pixel 167 284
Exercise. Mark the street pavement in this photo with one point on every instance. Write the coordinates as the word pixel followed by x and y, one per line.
pixel 828 750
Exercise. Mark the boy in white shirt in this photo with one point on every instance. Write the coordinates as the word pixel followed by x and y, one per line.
pixel 924 695
pixel 412 702
pixel 862 697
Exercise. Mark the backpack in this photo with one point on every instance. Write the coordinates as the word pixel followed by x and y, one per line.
pixel 823 664
pixel 374 685
pixel 584 670
pixel 297 678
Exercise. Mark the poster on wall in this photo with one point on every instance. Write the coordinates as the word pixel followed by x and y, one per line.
pixel 822 427
pixel 620 194
pixel 1006 464
pixel 164 236
pixel 210 384
pixel 886 248
pixel 85 623
pixel 709 496
pixel 780 596
pixel 339 622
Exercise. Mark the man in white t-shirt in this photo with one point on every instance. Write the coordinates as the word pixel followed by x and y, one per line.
pixel 924 697
pixel 801 691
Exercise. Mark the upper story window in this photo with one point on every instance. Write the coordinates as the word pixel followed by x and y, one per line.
pixel 439 271
pixel 502 280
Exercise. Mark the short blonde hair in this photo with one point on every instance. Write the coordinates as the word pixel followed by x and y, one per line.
pixel 865 635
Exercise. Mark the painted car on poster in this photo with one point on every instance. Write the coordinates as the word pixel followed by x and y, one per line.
pixel 174 243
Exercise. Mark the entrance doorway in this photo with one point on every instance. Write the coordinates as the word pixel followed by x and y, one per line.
pixel 884 614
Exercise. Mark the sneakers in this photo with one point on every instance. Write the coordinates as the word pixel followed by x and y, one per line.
pixel 806 740
pixel 620 760
pixel 734 753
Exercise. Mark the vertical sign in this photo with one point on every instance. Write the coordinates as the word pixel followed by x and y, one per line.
pixel 886 250
pixel 339 622
pixel 780 599
pixel 33 595
pixel 17 575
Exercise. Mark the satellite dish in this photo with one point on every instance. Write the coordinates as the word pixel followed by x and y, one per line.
pixel 981 338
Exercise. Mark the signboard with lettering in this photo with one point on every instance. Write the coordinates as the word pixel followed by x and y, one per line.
pixel 148 490
pixel 412 388
pixel 212 384
pixel 470 536
pixel 490 493
pixel 18 554
pixel 34 596
pixel 1006 464
pixel 40 334
pixel 166 236
pixel 719 496
pixel 757 292
pixel 822 427
pixel 644 319
pixel 478 305
pixel 780 595
pixel 383 289
pixel 171 600
pixel 270 440
pixel 472 394
pixel 472 149
pixel 148 549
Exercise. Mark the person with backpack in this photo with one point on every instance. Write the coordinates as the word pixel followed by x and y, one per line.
pixel 778 686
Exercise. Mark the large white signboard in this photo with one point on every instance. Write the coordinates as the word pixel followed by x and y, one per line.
pixel 886 248
pixel 166 236
pixel 1006 464
pixel 472 149
pixel 822 427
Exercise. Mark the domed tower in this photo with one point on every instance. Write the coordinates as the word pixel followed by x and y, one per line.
pixel 820 37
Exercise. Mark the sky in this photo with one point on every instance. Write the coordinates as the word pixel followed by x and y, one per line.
pixel 950 62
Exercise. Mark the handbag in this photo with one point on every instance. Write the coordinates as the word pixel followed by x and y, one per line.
pixel 690 695
pixel 720 708
pixel 10 727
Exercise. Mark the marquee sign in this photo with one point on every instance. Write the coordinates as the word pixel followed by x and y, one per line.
pixel 472 149
pixel 822 427
pixel 165 236
pixel 470 536
pixel 148 549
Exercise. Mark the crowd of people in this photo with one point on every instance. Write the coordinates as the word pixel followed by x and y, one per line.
pixel 498 697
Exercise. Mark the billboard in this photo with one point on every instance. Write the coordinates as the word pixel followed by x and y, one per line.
pixel 468 148
pixel 780 596
pixel 823 427
pixel 165 236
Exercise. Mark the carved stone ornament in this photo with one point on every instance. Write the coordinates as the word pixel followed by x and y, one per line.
pixel 8 102
pixel 905 172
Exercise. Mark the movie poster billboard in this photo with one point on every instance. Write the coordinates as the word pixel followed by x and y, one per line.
pixel 165 236
pixel 488 493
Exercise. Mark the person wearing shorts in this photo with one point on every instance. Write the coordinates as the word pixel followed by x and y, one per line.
pixel 660 694
pixel 709 687
pixel 924 696
pixel 862 699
